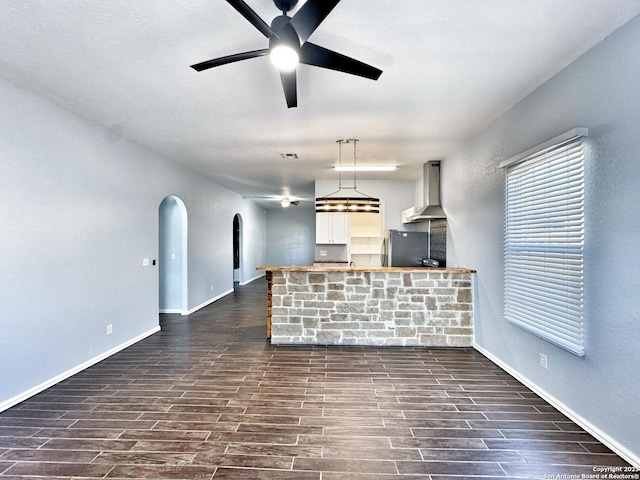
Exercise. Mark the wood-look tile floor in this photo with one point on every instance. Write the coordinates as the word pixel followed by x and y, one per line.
pixel 210 398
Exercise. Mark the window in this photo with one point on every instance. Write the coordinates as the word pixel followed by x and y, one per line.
pixel 544 241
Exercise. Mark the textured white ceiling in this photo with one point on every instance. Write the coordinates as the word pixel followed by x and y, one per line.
pixel 449 68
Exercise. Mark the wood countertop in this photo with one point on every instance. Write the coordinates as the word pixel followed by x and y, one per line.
pixel 346 268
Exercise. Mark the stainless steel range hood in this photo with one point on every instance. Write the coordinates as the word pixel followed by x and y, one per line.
pixel 431 208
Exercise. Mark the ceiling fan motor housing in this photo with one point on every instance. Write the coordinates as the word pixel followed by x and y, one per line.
pixel 285 5
pixel 286 34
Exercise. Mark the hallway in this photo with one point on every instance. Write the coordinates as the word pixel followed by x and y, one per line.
pixel 209 398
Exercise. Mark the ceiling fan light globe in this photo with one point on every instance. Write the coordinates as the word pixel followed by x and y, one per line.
pixel 285 202
pixel 284 57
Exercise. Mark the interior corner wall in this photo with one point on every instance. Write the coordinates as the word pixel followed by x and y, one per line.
pixel 291 235
pixel 599 91
pixel 254 240
pixel 79 215
pixel 171 254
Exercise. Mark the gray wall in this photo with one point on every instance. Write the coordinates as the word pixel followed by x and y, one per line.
pixel 600 91
pixel 254 241
pixel 291 235
pixel 79 214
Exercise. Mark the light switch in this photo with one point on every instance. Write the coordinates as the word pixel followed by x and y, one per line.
pixel 173 256
pixel 145 262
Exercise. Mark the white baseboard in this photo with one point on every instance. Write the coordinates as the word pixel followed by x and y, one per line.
pixel 208 302
pixel 57 379
pixel 252 279
pixel 624 452
pixel 211 300
pixel 170 310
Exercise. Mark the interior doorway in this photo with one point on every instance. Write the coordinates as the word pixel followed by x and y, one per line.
pixel 237 250
pixel 172 256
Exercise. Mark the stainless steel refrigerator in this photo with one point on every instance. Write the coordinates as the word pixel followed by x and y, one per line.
pixel 404 249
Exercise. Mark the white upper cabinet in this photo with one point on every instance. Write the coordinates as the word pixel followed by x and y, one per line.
pixel 332 228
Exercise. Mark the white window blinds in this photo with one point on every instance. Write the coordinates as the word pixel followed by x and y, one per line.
pixel 544 242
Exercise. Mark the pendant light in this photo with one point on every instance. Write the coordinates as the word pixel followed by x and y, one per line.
pixel 337 203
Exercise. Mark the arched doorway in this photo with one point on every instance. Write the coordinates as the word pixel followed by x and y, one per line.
pixel 172 255
pixel 237 249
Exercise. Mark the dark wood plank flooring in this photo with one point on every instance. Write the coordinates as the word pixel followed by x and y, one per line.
pixel 210 398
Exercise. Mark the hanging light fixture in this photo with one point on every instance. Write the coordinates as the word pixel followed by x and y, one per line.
pixel 334 203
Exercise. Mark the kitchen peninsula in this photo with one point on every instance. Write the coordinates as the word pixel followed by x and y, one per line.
pixel 342 305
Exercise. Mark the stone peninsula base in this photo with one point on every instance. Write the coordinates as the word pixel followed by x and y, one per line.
pixel 417 308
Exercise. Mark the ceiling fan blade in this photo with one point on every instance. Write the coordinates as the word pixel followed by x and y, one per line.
pixel 310 15
pixel 255 20
pixel 312 54
pixel 290 88
pixel 216 62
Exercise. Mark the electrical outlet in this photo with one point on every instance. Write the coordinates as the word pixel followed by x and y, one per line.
pixel 109 329
pixel 543 360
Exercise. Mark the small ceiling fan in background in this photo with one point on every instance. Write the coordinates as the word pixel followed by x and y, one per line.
pixel 283 201
pixel 288 44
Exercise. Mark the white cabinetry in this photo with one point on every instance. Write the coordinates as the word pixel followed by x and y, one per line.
pixel 332 228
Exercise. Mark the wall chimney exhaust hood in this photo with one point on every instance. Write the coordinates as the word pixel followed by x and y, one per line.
pixel 431 208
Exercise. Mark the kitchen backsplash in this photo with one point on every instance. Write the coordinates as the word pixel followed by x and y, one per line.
pixel 329 253
pixel 438 240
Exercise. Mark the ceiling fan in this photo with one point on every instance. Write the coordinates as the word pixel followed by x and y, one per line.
pixel 288 44
pixel 284 201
